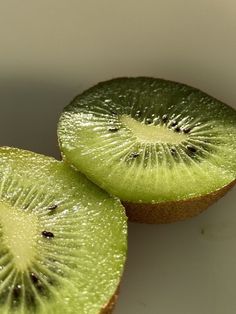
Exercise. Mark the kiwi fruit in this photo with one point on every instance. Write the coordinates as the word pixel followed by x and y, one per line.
pixel 167 150
pixel 63 239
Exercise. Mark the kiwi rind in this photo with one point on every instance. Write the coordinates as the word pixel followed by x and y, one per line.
pixel 109 307
pixel 169 212
pixel 186 206
pixel 30 166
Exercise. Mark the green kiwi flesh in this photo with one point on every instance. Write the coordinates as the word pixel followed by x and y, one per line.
pixel 150 141
pixel 63 239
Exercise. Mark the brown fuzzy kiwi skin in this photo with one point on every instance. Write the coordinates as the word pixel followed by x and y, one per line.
pixel 108 309
pixel 168 212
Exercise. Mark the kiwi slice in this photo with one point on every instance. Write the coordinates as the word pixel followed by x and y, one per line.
pixel 167 150
pixel 63 240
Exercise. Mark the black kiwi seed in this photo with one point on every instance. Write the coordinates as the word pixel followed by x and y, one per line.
pixel 113 129
pixel 177 129
pixel 186 130
pixel 164 118
pixel 34 278
pixel 191 149
pixel 37 283
pixel 149 121
pixel 47 234
pixel 52 207
pixel 16 292
pixel 134 155
pixel 138 113
pixel 173 151
pixel 173 123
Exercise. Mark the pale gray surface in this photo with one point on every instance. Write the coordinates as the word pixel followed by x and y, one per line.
pixel 50 50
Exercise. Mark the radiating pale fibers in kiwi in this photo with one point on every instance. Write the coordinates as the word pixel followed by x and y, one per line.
pixel 193 154
pixel 63 240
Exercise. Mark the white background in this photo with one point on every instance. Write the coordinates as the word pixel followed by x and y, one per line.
pixel 50 50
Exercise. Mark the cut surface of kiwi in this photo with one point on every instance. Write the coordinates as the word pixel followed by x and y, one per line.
pixel 150 141
pixel 63 239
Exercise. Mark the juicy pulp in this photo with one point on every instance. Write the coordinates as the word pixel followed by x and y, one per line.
pixel 150 140
pixel 63 240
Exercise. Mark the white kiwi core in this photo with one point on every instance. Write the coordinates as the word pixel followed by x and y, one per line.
pixel 19 230
pixel 152 133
